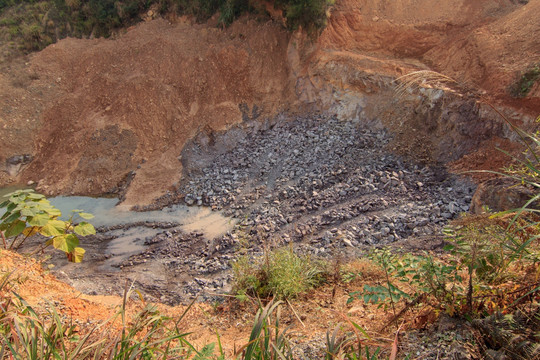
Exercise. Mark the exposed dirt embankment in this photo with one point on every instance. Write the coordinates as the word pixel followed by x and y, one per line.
pixel 99 115
pixel 485 44
pixel 405 28
pixel 369 44
pixel 130 104
pixel 494 56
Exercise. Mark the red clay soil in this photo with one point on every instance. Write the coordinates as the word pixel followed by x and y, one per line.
pixel 94 111
pixel 485 44
pixel 310 316
pixel 491 156
pixel 134 101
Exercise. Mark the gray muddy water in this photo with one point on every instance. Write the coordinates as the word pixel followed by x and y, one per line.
pixel 108 213
pixel 131 239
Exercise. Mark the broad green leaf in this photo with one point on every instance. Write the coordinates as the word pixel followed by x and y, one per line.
pixel 54 212
pixel 35 196
pixel 76 255
pixel 53 228
pixel 66 243
pixel 86 216
pixel 28 211
pixel 15 200
pixel 11 217
pixel 4 204
pixel 39 220
pixel 72 240
pixel 15 229
pixel 84 229
pixel 59 242
pixel 30 231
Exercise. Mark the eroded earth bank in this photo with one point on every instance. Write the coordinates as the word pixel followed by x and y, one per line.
pixel 92 116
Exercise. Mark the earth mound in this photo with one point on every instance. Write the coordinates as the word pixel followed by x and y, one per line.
pixel 124 108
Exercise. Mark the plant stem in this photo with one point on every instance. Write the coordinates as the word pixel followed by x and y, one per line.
pixel 26 237
pixel 13 242
pixel 471 271
pixel 3 239
pixel 388 284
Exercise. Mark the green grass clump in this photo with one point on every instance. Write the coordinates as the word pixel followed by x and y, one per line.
pixel 525 83
pixel 280 273
pixel 30 333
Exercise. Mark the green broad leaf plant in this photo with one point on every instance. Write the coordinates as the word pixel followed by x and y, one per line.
pixel 28 213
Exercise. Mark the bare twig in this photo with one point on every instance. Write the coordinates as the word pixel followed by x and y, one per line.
pixel 396 317
pixel 295 314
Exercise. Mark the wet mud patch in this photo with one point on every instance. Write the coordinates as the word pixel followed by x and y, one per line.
pixel 128 249
pixel 159 258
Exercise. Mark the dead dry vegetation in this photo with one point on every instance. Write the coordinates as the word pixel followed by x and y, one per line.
pixel 477 300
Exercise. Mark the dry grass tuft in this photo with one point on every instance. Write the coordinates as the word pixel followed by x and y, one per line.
pixel 426 79
pixel 361 270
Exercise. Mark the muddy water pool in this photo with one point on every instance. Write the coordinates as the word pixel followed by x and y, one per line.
pixel 108 212
pixel 131 239
pixel 134 239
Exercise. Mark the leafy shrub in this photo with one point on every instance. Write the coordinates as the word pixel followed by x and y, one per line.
pixel 489 247
pixel 308 14
pixel 481 255
pixel 32 38
pixel 28 213
pixel 412 278
pixel 525 83
pixel 281 273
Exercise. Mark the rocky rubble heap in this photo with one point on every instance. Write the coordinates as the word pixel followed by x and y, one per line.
pixel 327 186
pixel 324 183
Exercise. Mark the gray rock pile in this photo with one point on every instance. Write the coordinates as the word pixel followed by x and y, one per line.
pixel 328 187
pixel 322 183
